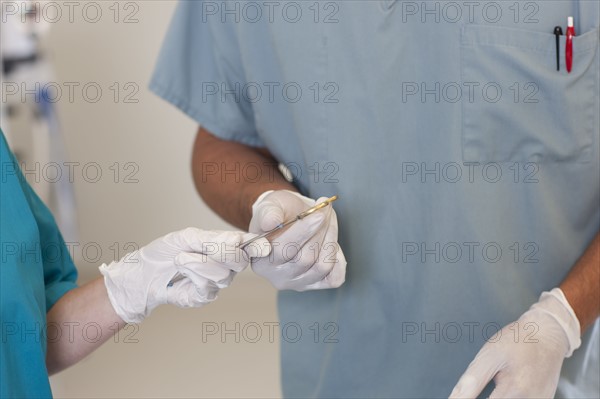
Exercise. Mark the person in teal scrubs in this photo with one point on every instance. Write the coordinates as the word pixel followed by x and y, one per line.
pixel 467 170
pixel 45 316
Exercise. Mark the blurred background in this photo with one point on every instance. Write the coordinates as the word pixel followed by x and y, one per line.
pixel 112 160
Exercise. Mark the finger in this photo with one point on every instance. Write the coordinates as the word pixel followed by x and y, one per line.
pixel 337 276
pixel 479 373
pixel 315 276
pixel 220 279
pixel 226 282
pixel 201 289
pixel 190 239
pixel 187 293
pixel 200 297
pixel 201 265
pixel 331 267
pixel 281 207
pixel 270 215
pixel 314 261
pixel 257 249
pixel 511 383
pixel 193 239
pixel 328 272
pixel 303 230
pixel 295 251
pixel 223 255
pixel 237 258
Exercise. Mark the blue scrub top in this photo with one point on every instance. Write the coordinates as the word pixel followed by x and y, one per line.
pixel 36 271
pixel 466 165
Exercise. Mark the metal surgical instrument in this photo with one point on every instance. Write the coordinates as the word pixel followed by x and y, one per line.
pixel 280 226
pixel 300 216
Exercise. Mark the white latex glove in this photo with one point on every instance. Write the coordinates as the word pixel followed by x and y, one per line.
pixel 305 255
pixel 208 260
pixel 525 358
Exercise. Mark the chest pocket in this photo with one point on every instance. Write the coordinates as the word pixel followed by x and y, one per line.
pixel 516 106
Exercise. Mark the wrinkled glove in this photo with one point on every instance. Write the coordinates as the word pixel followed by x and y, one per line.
pixel 305 255
pixel 208 261
pixel 524 358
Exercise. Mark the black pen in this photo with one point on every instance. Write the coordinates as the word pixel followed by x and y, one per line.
pixel 557 33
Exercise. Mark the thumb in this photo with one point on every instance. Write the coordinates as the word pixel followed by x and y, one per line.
pixel 479 373
pixel 277 207
pixel 270 216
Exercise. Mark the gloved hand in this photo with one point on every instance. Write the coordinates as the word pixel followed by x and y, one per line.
pixel 208 260
pixel 525 357
pixel 305 255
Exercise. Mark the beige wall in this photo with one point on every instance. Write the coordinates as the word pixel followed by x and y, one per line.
pixel 167 356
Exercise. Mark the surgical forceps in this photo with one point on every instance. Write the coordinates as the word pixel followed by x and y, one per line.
pixel 280 226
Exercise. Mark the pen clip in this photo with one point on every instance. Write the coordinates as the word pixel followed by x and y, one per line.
pixel 558 33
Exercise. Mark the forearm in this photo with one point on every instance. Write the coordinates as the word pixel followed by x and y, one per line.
pixel 582 285
pixel 218 168
pixel 69 322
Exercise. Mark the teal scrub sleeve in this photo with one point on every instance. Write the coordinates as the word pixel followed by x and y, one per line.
pixel 199 70
pixel 60 274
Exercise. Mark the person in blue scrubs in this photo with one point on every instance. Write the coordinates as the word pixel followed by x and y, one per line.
pixel 467 170
pixel 46 318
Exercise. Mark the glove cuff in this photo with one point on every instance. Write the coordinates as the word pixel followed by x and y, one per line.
pixel 555 304
pixel 112 273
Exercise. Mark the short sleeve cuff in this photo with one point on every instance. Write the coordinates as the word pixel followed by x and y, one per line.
pixel 56 290
pixel 216 128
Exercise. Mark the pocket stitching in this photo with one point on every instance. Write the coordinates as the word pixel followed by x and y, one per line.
pixel 582 152
pixel 589 38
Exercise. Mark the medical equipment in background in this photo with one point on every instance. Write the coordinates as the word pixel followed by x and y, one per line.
pixel 29 118
pixel 280 226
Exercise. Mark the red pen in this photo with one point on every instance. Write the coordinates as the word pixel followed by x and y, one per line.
pixel 569 49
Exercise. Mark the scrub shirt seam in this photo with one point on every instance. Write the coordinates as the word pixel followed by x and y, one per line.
pixel 471 39
pixel 524 48
pixel 462 103
pixel 327 359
